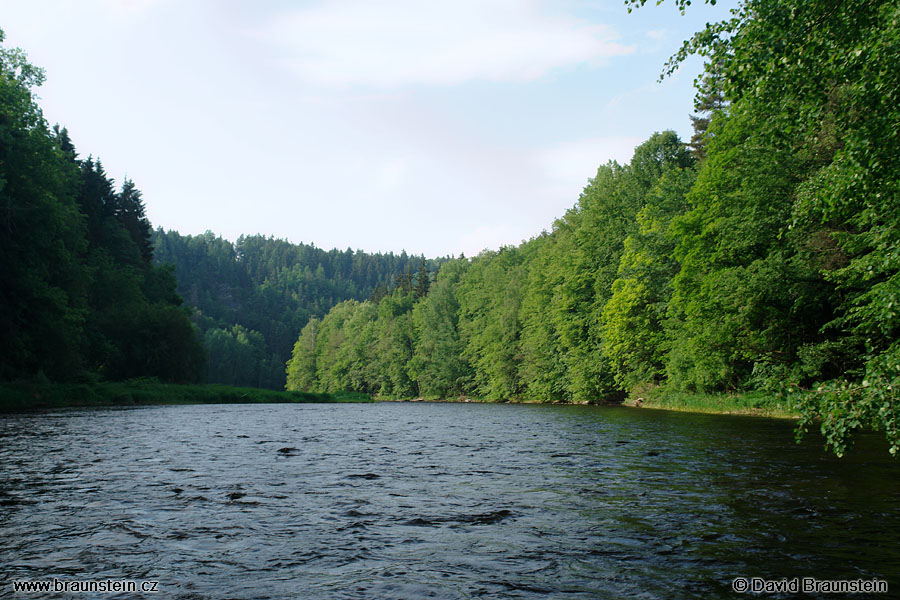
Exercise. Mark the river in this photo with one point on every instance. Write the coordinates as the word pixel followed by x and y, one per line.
pixel 419 500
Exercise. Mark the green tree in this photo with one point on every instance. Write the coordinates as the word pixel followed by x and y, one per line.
pixel 301 368
pixel 234 356
pixel 395 345
pixel 813 116
pixel 437 363
pixel 578 272
pixel 635 334
pixel 357 354
pixel 543 370
pixel 423 281
pixel 490 296
pixel 42 307
pixel 739 284
pixel 331 373
pixel 154 340
pixel 130 213
pixel 273 286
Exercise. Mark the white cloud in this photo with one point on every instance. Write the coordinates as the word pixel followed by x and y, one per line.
pixel 409 42
pixel 573 163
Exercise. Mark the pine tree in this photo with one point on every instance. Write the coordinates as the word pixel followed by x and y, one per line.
pixel 709 101
pixel 423 281
pixel 131 215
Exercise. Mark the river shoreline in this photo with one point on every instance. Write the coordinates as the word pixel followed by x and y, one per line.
pixel 751 404
pixel 726 407
pixel 31 395
pixel 20 396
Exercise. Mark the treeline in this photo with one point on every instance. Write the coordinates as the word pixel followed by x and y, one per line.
pixel 527 321
pixel 763 257
pixel 250 298
pixel 80 297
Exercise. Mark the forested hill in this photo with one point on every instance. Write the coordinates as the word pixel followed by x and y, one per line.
pixel 88 292
pixel 251 298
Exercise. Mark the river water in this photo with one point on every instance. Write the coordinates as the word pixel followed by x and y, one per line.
pixel 401 500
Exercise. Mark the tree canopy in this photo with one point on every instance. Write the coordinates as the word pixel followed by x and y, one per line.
pixel 259 292
pixel 762 257
pixel 81 298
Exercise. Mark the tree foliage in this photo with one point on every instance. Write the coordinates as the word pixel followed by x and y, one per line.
pixel 272 288
pixel 80 295
pixel 763 257
pixel 520 321
pixel 804 282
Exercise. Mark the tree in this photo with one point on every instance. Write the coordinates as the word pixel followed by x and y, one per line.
pixel 490 296
pixel 394 347
pixel 234 356
pixel 301 368
pixel 154 340
pixel 811 88
pixel 42 306
pixel 79 295
pixel 543 370
pixel 272 286
pixel 635 331
pixel 437 363
pixel 423 281
pixel 708 103
pixel 130 213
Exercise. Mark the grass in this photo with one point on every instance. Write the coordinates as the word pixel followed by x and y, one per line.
pixel 29 395
pixel 745 403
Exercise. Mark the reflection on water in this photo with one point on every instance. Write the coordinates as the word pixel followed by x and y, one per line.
pixel 436 500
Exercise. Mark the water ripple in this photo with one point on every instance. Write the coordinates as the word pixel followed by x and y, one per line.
pixel 435 501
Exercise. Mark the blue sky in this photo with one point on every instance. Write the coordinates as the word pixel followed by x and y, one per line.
pixel 438 128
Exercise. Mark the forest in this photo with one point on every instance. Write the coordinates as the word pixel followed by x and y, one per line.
pixel 82 299
pixel 763 254
pixel 249 299
pixel 89 288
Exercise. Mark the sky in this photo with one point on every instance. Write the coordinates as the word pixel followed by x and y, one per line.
pixel 438 128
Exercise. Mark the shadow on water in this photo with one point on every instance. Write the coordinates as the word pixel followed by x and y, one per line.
pixel 437 500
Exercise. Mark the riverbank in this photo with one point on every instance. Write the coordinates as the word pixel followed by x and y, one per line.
pixel 470 400
pixel 758 404
pixel 29 395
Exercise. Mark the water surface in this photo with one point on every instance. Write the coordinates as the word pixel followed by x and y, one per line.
pixel 436 501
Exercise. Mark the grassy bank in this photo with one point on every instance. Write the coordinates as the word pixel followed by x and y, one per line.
pixel 24 396
pixel 747 403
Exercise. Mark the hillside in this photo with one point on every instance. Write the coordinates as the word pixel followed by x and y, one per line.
pixel 251 298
